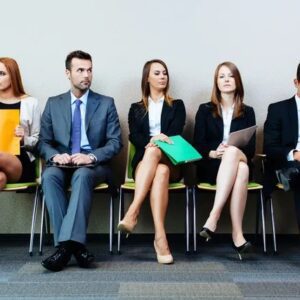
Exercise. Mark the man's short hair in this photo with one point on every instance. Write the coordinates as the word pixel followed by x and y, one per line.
pixel 76 54
pixel 298 72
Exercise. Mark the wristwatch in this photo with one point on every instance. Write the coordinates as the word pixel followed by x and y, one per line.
pixel 92 157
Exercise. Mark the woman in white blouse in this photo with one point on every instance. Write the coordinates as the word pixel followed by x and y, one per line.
pixel 18 168
pixel 227 166
pixel 156 117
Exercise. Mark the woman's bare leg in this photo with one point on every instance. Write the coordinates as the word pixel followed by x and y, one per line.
pixel 225 180
pixel 144 175
pixel 238 203
pixel 159 198
pixel 11 166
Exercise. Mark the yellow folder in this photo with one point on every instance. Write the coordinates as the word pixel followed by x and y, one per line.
pixel 180 152
pixel 9 119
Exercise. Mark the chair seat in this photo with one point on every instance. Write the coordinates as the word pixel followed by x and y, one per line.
pixel 18 186
pixel 130 185
pixel 212 187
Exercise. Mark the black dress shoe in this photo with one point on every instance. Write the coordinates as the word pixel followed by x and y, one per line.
pixel 83 257
pixel 206 233
pixel 243 249
pixel 285 176
pixel 57 261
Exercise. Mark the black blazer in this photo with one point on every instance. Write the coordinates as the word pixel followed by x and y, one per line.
pixel 281 131
pixel 208 134
pixel 172 123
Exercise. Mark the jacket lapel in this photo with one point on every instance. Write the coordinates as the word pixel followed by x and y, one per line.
pixel 66 112
pixel 293 117
pixel 91 107
pixel 166 109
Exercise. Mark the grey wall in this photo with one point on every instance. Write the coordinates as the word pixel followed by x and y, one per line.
pixel 191 36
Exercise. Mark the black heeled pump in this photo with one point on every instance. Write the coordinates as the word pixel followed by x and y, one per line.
pixel 206 233
pixel 245 248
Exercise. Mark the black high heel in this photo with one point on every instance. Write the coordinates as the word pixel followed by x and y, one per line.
pixel 206 233
pixel 245 248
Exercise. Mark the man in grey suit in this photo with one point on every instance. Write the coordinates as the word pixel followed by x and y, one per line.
pixel 80 133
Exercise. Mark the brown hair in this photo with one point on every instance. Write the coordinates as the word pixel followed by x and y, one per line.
pixel 76 54
pixel 238 94
pixel 145 84
pixel 15 75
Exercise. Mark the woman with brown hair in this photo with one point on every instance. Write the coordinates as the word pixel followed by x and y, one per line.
pixel 156 117
pixel 227 166
pixel 18 168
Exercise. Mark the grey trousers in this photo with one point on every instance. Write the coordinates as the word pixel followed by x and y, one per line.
pixel 70 217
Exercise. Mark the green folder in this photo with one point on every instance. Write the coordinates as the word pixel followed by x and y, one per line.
pixel 180 152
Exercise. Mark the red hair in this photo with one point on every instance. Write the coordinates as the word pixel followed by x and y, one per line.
pixel 15 76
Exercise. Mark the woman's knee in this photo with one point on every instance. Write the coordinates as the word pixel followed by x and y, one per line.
pixel 152 153
pixel 232 153
pixel 162 172
pixel 243 171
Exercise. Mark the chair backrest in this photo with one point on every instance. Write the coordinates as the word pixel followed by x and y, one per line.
pixel 130 154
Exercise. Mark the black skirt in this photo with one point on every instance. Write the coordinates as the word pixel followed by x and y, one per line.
pixel 28 167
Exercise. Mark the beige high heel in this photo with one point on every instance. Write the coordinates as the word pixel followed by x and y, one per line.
pixel 163 259
pixel 126 227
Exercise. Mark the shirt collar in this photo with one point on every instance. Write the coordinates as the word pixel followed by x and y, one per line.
pixel 83 98
pixel 156 102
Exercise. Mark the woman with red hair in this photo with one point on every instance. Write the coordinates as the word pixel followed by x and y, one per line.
pixel 225 165
pixel 18 168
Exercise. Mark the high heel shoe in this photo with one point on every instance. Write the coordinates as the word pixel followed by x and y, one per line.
pixel 163 259
pixel 245 248
pixel 126 227
pixel 206 233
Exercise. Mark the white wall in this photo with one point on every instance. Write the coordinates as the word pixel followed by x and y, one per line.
pixel 191 36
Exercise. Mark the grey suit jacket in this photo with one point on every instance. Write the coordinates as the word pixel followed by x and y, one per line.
pixel 101 122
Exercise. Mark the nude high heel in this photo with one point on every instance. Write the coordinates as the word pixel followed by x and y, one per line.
pixel 163 259
pixel 126 227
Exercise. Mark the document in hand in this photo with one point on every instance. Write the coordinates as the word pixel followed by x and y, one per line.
pixel 241 137
pixel 9 119
pixel 180 151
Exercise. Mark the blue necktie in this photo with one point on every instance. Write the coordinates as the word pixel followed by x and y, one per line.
pixel 76 128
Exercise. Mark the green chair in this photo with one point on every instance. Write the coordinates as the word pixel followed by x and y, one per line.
pixel 27 187
pixel 207 187
pixel 129 186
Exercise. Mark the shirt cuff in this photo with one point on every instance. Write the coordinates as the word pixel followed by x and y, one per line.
pixel 290 156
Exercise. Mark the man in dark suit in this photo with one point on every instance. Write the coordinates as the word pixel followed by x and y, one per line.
pixel 80 133
pixel 282 145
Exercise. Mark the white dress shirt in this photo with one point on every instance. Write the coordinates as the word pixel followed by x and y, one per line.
pixel 227 117
pixel 154 112
pixel 290 156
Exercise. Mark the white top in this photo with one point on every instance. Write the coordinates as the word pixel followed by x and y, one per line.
pixel 227 117
pixel 290 155
pixel 84 142
pixel 154 112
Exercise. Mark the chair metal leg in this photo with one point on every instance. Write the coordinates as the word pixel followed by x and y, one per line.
pixel 120 217
pixel 42 225
pixel 263 221
pixel 187 220
pixel 194 220
pixel 33 220
pixel 273 225
pixel 111 212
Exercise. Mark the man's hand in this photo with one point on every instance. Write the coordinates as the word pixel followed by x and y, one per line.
pixel 81 159
pixel 62 159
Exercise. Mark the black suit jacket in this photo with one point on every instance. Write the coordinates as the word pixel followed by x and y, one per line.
pixel 208 135
pixel 172 123
pixel 281 131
